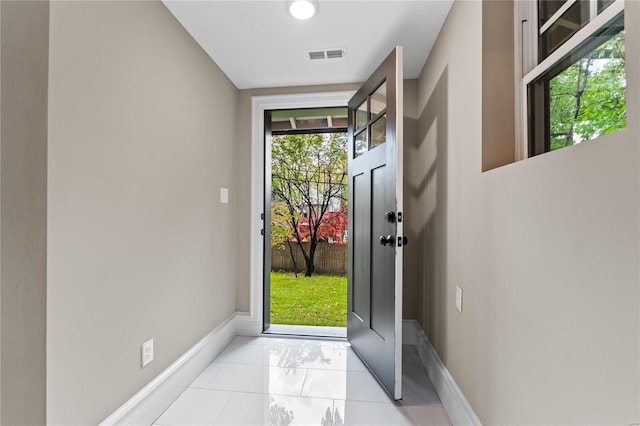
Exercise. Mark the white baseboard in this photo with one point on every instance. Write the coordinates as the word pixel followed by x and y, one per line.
pixel 458 408
pixel 247 326
pixel 152 400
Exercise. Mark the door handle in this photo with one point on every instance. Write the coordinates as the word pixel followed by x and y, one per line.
pixel 388 240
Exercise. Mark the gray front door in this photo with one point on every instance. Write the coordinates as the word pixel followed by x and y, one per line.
pixel 374 322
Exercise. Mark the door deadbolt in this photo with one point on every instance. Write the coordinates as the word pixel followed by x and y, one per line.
pixel 390 216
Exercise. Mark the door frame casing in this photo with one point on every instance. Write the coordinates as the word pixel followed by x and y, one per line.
pixel 260 104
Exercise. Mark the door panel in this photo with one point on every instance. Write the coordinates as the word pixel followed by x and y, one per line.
pixel 374 321
pixel 382 256
pixel 361 295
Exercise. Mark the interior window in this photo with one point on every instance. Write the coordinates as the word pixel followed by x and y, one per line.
pixel 577 92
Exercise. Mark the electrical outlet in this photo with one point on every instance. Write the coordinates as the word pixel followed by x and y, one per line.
pixel 147 352
pixel 459 299
pixel 224 195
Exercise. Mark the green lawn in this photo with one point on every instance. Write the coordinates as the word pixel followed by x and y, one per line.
pixel 317 300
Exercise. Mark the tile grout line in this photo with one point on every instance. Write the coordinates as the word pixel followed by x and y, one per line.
pixel 212 377
pixel 233 393
pixel 267 394
pixel 304 381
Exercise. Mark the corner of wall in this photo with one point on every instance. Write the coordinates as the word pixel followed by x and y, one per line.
pixel 498 116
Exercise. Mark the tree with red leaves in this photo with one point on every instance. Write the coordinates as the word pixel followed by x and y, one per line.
pixel 332 229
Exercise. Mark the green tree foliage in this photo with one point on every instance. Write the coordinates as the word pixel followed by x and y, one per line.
pixel 308 179
pixel 588 98
pixel 281 228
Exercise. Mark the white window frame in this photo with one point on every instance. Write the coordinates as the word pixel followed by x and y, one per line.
pixel 527 69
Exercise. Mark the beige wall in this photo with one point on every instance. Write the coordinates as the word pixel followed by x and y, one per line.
pixel 412 288
pixel 141 139
pixel 23 208
pixel 545 249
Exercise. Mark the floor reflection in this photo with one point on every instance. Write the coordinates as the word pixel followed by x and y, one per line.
pixel 294 356
pixel 278 381
pixel 279 415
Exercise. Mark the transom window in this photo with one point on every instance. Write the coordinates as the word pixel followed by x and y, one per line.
pixel 370 121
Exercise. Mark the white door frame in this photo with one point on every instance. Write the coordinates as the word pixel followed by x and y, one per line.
pixel 260 104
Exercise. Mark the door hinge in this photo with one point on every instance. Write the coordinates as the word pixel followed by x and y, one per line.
pixel 262 216
pixel 262 232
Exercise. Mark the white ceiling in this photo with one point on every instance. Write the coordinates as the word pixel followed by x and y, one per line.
pixel 258 44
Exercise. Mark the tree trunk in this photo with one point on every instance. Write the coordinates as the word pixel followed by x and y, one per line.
pixel 310 267
pixel 309 260
pixel 293 259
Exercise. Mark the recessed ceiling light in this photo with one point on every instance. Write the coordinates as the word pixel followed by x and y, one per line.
pixel 303 9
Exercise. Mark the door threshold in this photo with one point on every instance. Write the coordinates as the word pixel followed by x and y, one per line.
pixel 307 330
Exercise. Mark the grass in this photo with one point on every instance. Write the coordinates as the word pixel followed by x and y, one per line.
pixel 318 300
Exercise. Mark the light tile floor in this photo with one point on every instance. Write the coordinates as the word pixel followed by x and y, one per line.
pixel 289 381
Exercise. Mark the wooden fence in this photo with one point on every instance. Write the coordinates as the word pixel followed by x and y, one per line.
pixel 329 258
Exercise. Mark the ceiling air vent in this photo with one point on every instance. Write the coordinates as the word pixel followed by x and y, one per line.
pixel 332 53
pixel 335 54
pixel 317 54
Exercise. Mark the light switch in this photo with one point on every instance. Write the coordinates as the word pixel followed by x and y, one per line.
pixel 458 299
pixel 224 195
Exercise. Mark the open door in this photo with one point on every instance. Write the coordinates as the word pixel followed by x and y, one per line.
pixel 374 317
